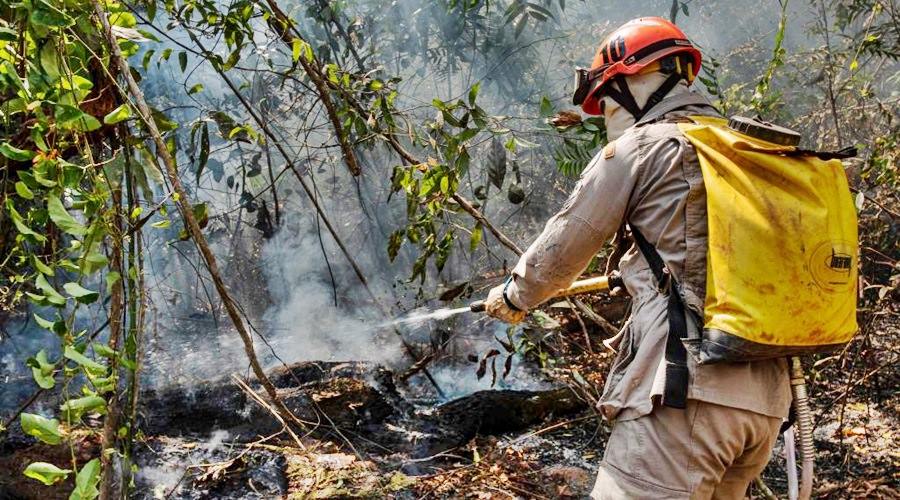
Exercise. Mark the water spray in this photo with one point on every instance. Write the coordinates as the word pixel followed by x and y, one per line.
pixel 579 287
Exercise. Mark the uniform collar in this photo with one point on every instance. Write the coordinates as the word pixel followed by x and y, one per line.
pixel 673 102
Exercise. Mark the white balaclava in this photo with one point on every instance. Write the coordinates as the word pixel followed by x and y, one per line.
pixel 617 118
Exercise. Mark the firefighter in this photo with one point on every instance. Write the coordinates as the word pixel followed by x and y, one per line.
pixel 680 430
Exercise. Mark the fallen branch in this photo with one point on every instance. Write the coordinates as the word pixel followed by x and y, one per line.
pixel 261 402
pixel 596 318
pixel 764 490
pixel 186 210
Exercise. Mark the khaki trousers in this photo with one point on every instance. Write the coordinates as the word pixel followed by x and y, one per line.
pixel 704 451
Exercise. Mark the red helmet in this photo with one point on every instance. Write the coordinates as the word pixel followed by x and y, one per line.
pixel 628 50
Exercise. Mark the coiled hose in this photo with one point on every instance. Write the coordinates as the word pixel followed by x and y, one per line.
pixel 804 427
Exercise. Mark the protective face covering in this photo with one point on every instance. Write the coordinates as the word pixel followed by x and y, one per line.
pixel 617 118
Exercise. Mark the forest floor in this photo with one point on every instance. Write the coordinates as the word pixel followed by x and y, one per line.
pixel 856 438
pixel 856 442
pixel 857 454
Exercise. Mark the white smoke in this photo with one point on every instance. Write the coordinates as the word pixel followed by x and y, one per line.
pixel 304 319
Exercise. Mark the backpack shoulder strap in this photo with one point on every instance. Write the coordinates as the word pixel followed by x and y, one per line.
pixel 675 391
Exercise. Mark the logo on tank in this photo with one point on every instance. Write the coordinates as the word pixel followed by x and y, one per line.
pixel 832 264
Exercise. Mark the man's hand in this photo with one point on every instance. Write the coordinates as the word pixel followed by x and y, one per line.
pixel 496 306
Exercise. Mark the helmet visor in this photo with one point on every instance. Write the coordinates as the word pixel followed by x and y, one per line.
pixel 584 83
pixel 582 86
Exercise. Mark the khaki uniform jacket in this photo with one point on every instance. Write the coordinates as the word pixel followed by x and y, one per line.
pixel 650 177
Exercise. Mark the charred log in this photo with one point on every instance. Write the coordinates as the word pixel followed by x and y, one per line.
pixel 455 423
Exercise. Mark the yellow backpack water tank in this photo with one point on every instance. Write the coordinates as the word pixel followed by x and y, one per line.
pixel 782 256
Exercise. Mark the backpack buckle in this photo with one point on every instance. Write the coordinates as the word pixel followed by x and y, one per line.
pixel 664 285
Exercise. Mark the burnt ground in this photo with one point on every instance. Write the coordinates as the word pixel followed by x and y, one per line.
pixel 380 442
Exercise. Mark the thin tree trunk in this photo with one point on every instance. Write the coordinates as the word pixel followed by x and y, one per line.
pixel 187 215
pixel 312 70
pixel 109 487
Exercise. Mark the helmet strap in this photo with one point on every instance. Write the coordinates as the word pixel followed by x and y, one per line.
pixel 624 97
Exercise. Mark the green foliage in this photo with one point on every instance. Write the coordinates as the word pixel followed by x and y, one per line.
pixel 46 473
pixel 762 101
pixel 41 428
pixel 42 369
pixel 63 147
pixel 86 481
pixel 431 187
pixel 581 139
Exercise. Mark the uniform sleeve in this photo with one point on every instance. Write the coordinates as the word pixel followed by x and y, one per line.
pixel 571 238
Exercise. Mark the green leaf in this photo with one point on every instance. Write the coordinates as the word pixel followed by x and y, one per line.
pixel 473 92
pixel 86 123
pixel 43 323
pixel 92 262
pixel 61 217
pixel 14 153
pixel 145 61
pixel 467 134
pixel 201 214
pixel 41 267
pixel 196 88
pixel 72 118
pixel 182 60
pixel 75 408
pixel 80 293
pixel 8 34
pixel 590 127
pixel 19 222
pixel 124 19
pixel 546 106
pixel 42 370
pixel 121 113
pixel 23 191
pixel 43 171
pixel 112 278
pixel 162 224
pixel 48 474
pixel 42 428
pixel 394 242
pixel 299 48
pixel 46 14
pixel 49 292
pixel 105 351
pixel 86 482
pixel 89 364
pixel 475 239
pixel 204 150
pixel 49 61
